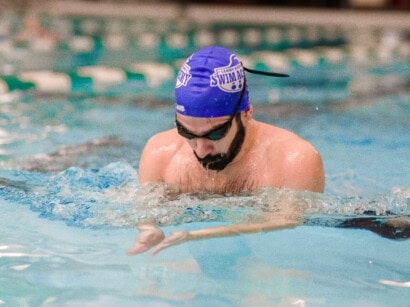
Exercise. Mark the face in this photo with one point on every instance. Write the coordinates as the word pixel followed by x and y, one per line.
pixel 215 141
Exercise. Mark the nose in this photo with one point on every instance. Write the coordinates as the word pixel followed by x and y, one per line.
pixel 203 147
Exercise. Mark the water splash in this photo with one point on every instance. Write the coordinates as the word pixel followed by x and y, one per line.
pixel 111 197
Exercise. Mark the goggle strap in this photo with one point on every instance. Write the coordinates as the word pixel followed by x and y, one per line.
pixel 265 73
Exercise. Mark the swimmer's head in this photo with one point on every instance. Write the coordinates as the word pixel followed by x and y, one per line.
pixel 211 83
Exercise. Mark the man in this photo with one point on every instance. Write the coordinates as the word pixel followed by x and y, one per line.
pixel 218 147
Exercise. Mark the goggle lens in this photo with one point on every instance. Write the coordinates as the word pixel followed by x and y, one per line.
pixel 214 135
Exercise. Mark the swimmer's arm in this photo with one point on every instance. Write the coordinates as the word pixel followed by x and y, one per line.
pixel 289 215
pixel 274 223
pixel 237 229
pixel 150 170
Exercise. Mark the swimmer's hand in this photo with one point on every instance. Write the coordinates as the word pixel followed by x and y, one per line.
pixel 149 236
pixel 176 237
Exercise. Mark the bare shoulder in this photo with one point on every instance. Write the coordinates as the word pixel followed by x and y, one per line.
pixel 163 143
pixel 157 153
pixel 297 159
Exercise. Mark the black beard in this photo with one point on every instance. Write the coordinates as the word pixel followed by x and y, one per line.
pixel 219 161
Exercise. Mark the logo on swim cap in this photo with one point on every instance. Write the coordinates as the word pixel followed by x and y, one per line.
pixel 228 78
pixel 180 108
pixel 210 84
pixel 184 75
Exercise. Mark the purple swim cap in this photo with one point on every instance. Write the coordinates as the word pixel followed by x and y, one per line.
pixel 210 83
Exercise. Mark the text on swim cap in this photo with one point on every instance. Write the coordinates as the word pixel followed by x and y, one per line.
pixel 184 75
pixel 228 78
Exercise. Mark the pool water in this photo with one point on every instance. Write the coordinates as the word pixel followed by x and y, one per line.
pixel 70 201
pixel 64 235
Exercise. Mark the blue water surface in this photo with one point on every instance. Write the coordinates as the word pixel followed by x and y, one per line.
pixel 70 206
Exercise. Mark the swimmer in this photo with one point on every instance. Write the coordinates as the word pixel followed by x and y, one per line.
pixel 218 147
pixel 33 29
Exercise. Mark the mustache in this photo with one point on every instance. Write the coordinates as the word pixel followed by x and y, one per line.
pixel 213 162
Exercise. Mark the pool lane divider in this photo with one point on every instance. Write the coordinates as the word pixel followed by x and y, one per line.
pixel 160 79
pixel 317 75
pixel 88 78
pixel 305 66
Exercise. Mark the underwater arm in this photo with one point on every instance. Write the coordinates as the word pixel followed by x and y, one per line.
pixel 274 222
pixel 288 213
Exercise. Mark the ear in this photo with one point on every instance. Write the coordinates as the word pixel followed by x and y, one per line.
pixel 249 112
